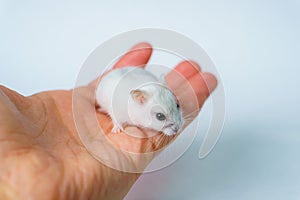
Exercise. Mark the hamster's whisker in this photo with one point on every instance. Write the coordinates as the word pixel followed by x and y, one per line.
pixel 193 114
pixel 190 117
pixel 187 117
pixel 163 140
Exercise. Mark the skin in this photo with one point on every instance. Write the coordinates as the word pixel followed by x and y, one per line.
pixel 42 157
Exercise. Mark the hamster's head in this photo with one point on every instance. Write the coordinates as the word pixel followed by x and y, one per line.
pixel 154 106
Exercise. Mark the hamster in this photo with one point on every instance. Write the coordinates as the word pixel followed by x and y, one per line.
pixel 134 96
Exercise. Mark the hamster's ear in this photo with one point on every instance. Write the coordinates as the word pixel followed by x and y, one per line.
pixel 139 96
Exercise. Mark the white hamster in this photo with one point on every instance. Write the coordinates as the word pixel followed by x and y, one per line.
pixel 134 96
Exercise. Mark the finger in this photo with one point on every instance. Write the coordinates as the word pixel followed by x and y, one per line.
pixel 193 93
pixel 138 55
pixel 181 73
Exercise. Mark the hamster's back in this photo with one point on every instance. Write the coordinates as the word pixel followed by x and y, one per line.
pixel 114 88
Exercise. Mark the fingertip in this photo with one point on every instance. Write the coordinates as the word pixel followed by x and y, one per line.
pixel 194 64
pixel 144 49
pixel 183 71
pixel 138 56
pixel 142 45
pixel 210 80
pixel 188 68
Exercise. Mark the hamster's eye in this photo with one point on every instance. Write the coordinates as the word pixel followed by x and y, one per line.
pixel 177 106
pixel 160 116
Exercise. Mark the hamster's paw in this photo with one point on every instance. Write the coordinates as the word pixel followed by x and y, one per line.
pixel 117 129
pixel 102 110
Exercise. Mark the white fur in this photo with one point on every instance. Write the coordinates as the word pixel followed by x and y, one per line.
pixel 113 95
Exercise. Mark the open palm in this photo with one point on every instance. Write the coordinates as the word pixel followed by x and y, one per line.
pixel 42 157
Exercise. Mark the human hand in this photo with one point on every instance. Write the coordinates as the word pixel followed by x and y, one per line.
pixel 42 157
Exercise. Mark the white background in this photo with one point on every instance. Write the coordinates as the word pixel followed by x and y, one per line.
pixel 255 45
